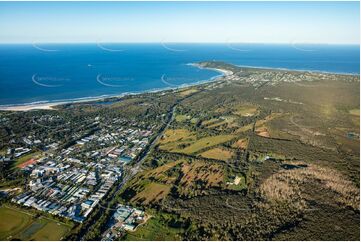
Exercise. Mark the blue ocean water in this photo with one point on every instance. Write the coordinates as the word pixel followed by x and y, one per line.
pixel 47 73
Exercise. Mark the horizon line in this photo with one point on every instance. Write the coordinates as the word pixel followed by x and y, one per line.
pixel 175 42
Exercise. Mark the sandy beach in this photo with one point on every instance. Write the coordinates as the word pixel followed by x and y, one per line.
pixel 29 107
pixel 225 72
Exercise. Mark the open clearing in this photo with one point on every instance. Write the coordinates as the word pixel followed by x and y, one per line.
pixel 27 163
pixel 12 222
pixel 160 172
pixel 355 112
pixel 228 120
pixel 50 230
pixel 244 128
pixel 26 158
pixel 206 142
pixel 262 131
pixel 181 118
pixel 152 192
pixel 241 143
pixel 187 92
pixel 18 224
pixel 154 230
pixel 184 141
pixel 218 154
pixel 212 175
pixel 210 121
pixel 172 135
pixel 246 110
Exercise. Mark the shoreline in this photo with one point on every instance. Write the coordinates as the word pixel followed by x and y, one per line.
pixel 222 71
pixel 50 105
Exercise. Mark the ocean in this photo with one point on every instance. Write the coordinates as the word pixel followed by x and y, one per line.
pixel 37 73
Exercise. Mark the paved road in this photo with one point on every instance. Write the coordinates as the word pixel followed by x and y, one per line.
pixel 155 141
pixel 130 173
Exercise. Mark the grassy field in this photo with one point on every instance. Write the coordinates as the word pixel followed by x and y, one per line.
pixel 154 229
pixel 3 151
pixel 174 139
pixel 210 121
pixel 154 185
pixel 184 141
pixel 241 143
pixel 262 131
pixel 245 110
pixel 206 142
pixel 12 222
pixel 211 174
pixel 225 120
pixel 355 112
pixel 181 118
pixel 50 230
pixel 187 92
pixel 244 128
pixel 27 157
pixel 173 135
pixel 18 224
pixel 160 172
pixel 238 183
pixel 260 123
pixel 152 192
pixel 218 154
pixel 194 120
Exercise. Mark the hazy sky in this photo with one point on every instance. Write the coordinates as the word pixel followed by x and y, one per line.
pixel 262 22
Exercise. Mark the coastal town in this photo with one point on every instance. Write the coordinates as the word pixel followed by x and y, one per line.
pixel 71 181
pixel 169 164
pixel 258 77
pixel 180 120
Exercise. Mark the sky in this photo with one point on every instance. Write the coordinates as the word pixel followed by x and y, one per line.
pixel 204 22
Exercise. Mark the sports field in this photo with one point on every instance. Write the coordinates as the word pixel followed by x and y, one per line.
pixel 17 224
pixel 21 162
